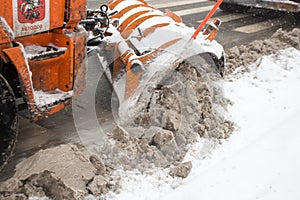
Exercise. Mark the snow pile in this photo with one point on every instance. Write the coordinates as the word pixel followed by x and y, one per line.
pixel 244 55
pixel 177 100
pixel 63 172
pixel 178 130
pixel 173 111
pixel 259 161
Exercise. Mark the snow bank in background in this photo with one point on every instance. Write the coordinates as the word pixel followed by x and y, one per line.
pixel 244 55
pixel 261 160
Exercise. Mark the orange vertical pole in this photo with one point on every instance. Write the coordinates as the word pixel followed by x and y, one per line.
pixel 208 16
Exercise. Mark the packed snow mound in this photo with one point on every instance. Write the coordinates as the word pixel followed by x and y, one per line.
pixel 62 172
pixel 181 106
pixel 260 160
pixel 244 55
pixel 184 101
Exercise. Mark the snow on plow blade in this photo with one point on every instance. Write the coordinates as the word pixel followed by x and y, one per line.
pixel 158 76
pixel 140 46
pixel 150 43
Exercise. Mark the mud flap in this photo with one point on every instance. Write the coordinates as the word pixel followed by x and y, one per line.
pixel 9 123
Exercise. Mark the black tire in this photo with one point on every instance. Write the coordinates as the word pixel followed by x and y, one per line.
pixel 229 7
pixel 9 123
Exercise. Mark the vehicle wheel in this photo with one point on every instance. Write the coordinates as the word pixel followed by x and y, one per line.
pixel 228 7
pixel 9 123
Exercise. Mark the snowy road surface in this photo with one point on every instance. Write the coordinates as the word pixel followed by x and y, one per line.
pixel 260 160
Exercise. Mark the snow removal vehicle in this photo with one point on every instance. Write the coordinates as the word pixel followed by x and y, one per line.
pixel 45 45
pixel 41 51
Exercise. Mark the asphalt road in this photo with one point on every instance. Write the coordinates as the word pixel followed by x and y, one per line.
pixel 236 29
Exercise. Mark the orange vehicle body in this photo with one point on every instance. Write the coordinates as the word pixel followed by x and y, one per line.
pixel 50 25
pixel 126 56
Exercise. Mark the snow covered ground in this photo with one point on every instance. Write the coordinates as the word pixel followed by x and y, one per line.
pixel 261 160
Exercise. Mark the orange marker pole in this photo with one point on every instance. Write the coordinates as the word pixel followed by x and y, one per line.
pixel 208 16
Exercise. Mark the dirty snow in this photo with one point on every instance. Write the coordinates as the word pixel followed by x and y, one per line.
pixel 174 109
pixel 244 55
pixel 62 172
pixel 260 160
pixel 171 108
pixel 42 98
pixel 34 50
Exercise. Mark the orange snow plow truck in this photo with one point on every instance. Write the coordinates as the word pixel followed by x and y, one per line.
pixel 44 45
pixel 41 51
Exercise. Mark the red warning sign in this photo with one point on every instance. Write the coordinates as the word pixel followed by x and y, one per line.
pixel 30 11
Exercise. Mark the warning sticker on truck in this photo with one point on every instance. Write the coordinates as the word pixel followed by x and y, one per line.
pixel 31 16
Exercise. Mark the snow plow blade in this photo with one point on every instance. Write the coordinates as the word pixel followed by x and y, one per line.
pixel 138 45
